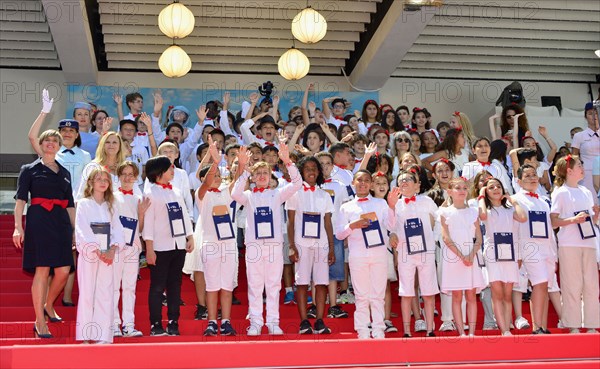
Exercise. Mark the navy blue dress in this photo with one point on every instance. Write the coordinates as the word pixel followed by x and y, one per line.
pixel 48 234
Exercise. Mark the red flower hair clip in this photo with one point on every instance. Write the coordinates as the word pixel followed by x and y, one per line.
pixel 457 113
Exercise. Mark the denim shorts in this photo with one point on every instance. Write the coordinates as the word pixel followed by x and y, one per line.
pixel 336 270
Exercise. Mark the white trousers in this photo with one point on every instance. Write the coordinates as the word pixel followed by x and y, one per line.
pixel 264 269
pixel 125 267
pixel 579 287
pixel 369 279
pixel 95 307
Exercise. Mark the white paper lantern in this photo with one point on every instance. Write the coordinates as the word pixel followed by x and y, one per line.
pixel 293 64
pixel 597 52
pixel 309 26
pixel 176 21
pixel 174 62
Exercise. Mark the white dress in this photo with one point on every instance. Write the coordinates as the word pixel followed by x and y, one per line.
pixel 500 223
pixel 456 276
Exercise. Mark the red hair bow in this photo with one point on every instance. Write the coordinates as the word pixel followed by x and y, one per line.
pixel 417 109
pixel 464 179
pixel 568 159
pixel 457 113
pixel 371 102
pixel 379 174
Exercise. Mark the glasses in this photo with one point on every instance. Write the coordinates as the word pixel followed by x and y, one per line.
pixel 405 140
pixel 406 179
pixel 129 175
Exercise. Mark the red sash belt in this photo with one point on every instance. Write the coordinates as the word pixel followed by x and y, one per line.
pixel 48 204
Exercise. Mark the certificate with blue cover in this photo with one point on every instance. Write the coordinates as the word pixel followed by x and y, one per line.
pixel 102 232
pixel 350 191
pixel 129 227
pixel 415 237
pixel 311 225
pixel 263 223
pixel 222 222
pixel 538 224
pixel 332 194
pixel 176 219
pixel 586 229
pixel 504 246
pixel 372 233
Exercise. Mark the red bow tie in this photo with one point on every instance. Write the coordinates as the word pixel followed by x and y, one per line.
pixel 167 186
pixel 357 161
pixel 409 199
pixel 342 166
pixel 214 190
pixel 125 192
pixel 484 163
pixel 269 144
pixel 259 137
pixel 135 115
pixel 532 194
pixel 311 188
pixel 328 180
pixel 363 199
pixel 141 133
pixel 339 118
pixel 256 189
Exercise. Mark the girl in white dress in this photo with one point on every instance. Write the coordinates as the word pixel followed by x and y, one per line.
pixel 460 271
pixel 500 247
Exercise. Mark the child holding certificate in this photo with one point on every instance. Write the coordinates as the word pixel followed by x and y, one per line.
pixel 573 211
pixel 98 234
pixel 363 221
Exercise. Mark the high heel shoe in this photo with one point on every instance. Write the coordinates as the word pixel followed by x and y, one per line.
pixel 56 319
pixel 40 335
pixel 67 304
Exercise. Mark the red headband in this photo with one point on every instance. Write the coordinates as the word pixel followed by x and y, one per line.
pixel 417 110
pixel 526 137
pixel 371 102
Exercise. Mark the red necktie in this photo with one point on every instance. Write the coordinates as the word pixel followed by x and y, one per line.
pixel 311 188
pixel 532 194
pixel 484 163
pixel 409 199
pixel 328 180
pixel 125 192
pixel 214 190
pixel 256 189
pixel 363 199
pixel 141 133
pixel 167 186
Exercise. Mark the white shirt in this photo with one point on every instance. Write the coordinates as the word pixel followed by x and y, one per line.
pixel 74 163
pixel 345 177
pixel 423 208
pixel 567 202
pixel 340 196
pixel 127 206
pixel 535 249
pixel 588 143
pixel 89 211
pixel 249 137
pixel 116 183
pixel 182 183
pixel 317 201
pixel 206 223
pixel 156 221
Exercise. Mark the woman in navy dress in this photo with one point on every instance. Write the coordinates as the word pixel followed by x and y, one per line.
pixel 48 238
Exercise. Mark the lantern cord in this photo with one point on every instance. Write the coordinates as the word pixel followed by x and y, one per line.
pixel 356 88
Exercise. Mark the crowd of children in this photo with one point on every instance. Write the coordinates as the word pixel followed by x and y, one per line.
pixel 337 206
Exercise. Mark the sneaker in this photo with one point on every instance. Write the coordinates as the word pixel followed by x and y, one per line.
pixel 490 326
pixel 131 332
pixel 522 323
pixel 592 330
pixel 389 327
pixel 539 331
pixel 435 312
pixel 309 300
pixel 378 335
pixel 574 330
pixel 235 300
pixel 560 325
pixel 164 299
pixel 430 334
pixel 117 332
pixel 420 326
pixel 201 312
pixel 447 326
pixel 305 327
pixel 211 329
pixel 336 312
pixel 465 326
pixel 253 330
pixel 546 331
pixel 274 330
pixel 507 333
pixel 347 298
pixel 312 312
pixel 321 328
pixel 157 330
pixel 289 298
pixel 227 329
pixel 173 328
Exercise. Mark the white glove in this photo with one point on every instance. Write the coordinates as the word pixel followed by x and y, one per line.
pixel 46 102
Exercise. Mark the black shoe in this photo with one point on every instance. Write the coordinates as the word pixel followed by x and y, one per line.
pixel 312 312
pixel 201 312
pixel 321 328
pixel 67 304
pixel 211 329
pixel 39 335
pixel 305 327
pixel 181 302
pixel 547 331
pixel 430 334
pixel 173 328
pixel 219 316
pixel 527 296
pixel 157 330
pixel 164 299
pixel 336 312
pixel 227 329
pixel 56 318
pixel 235 300
pixel 539 331
pixel 406 335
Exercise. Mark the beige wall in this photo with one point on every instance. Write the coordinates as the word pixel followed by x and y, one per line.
pixel 20 100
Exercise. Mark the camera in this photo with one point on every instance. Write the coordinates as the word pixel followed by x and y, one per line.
pixel 266 89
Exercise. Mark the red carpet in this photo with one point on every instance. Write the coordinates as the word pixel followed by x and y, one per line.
pixel 19 349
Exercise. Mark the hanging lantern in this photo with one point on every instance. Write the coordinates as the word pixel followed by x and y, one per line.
pixel 176 21
pixel 293 64
pixel 174 62
pixel 309 26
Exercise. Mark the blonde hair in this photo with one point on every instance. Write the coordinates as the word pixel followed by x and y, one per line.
pixel 259 165
pixel 165 145
pixel 89 186
pixel 48 134
pixel 415 157
pixel 101 155
pixel 561 166
pixel 467 127
pixel 125 164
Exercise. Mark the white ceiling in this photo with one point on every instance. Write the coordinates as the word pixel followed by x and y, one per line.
pixel 503 39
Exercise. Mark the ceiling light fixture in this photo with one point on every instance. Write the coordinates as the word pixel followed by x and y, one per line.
pixel 293 64
pixel 174 62
pixel 176 20
pixel 309 26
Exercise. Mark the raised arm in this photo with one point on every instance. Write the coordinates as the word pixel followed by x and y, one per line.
pixel 323 124
pixel 433 158
pixel 119 101
pixel 369 151
pixel 145 118
pixel 290 189
pixel 494 128
pixel 34 131
pixel 519 214
pixel 553 148
pixel 515 136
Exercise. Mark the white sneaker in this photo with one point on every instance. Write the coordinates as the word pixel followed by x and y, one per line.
pixel 365 335
pixel 389 327
pixel 378 335
pixel 490 326
pixel 253 330
pixel 131 332
pixel 117 332
pixel 274 330
pixel 103 342
pixel 447 326
pixel 507 333
pixel 574 330
pixel 522 323
pixel 560 325
pixel 420 326
pixel 592 330
pixel 347 298
pixel 465 326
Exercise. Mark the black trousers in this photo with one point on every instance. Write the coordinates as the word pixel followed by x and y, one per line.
pixel 166 274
